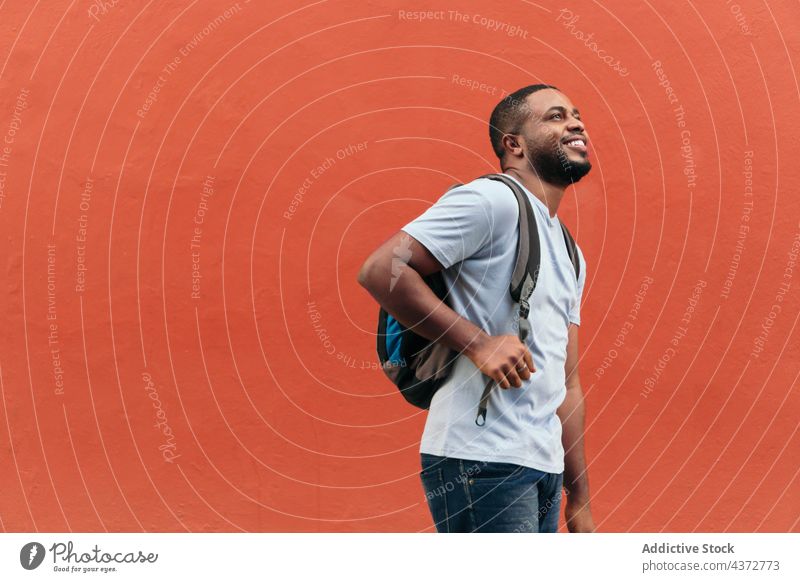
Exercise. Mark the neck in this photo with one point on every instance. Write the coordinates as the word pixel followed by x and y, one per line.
pixel 549 194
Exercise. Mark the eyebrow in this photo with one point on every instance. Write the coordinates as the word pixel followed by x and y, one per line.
pixel 563 110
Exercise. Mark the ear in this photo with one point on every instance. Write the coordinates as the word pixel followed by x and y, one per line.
pixel 512 145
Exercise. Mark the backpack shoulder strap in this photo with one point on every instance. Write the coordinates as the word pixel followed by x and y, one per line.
pixel 572 249
pixel 526 268
pixel 523 278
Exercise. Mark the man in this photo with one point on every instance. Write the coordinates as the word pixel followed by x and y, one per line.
pixel 507 475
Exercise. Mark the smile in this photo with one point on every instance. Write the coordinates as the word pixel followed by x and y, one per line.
pixel 576 143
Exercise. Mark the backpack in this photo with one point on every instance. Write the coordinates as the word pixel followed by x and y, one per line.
pixel 419 366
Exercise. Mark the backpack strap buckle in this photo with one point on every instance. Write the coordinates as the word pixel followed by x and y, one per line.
pixel 480 420
pixel 524 329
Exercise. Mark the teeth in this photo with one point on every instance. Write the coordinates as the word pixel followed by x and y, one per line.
pixel 576 142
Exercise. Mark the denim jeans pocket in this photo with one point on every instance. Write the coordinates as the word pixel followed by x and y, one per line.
pixel 504 502
pixel 436 495
pixel 491 472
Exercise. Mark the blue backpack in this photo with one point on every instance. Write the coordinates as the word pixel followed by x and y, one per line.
pixel 419 366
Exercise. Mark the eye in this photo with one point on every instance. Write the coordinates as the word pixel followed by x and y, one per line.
pixel 555 116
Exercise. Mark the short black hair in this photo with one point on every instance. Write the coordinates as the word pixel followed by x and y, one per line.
pixel 509 115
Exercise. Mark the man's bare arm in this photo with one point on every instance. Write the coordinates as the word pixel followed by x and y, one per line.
pixel 571 412
pixel 393 275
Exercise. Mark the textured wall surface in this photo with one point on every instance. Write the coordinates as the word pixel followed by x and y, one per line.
pixel 188 189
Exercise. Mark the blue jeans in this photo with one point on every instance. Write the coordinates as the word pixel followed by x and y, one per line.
pixel 482 496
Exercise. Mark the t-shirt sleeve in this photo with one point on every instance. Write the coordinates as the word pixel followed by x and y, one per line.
pixel 458 226
pixel 575 309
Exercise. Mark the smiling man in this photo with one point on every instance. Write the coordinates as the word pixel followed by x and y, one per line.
pixel 507 474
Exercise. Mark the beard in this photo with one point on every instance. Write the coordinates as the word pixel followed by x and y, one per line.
pixel 553 165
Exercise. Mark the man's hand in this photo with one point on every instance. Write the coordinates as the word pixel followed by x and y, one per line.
pixel 578 515
pixel 503 358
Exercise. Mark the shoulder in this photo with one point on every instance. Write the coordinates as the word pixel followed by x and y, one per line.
pixel 496 197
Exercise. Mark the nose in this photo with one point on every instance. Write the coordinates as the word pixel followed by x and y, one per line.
pixel 575 124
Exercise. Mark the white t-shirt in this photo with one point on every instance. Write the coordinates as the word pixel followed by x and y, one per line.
pixel 472 232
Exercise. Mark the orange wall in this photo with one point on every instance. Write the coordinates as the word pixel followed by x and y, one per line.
pixel 129 404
